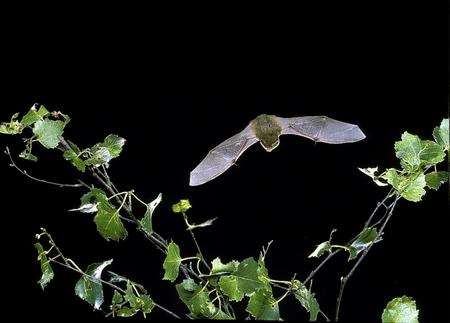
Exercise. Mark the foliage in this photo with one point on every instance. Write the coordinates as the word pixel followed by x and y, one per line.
pixel 401 310
pixel 211 289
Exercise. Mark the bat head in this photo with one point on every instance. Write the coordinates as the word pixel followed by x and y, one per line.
pixel 268 130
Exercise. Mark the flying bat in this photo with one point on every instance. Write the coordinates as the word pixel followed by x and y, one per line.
pixel 267 129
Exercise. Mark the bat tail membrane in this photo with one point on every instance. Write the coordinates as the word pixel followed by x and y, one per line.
pixel 323 129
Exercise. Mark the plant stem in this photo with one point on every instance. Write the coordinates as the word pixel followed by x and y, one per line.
pixel 196 243
pixel 345 279
pixel 23 172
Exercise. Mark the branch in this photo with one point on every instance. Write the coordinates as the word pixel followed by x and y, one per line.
pixel 69 264
pixel 345 279
pixel 23 172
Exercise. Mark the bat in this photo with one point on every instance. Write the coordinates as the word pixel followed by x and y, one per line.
pixel 267 129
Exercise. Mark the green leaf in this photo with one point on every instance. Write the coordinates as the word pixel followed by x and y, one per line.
pixel 411 187
pixel 89 288
pixel 104 152
pixel 95 195
pixel 49 132
pixel 321 249
pixel 193 296
pixel 146 222
pixel 401 310
pixel 414 152
pixel 362 241
pixel 117 299
pixel 371 172
pixel 34 115
pixel 248 276
pixel 408 150
pixel 75 160
pixel 126 312
pixel 11 128
pixel 441 134
pixel 306 299
pixel 109 224
pixel 431 153
pixel 172 262
pixel 196 298
pixel 263 306
pixel 137 302
pixel 46 269
pixel 230 287
pixel 219 268
pixel 182 206
pixel 107 219
pixel 435 179
pixel 28 156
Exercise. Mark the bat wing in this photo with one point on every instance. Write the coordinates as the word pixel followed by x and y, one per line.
pixel 222 157
pixel 322 129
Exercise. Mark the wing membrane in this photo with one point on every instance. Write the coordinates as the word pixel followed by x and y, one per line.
pixel 222 157
pixel 322 129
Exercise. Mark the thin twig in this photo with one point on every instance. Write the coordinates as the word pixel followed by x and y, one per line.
pixel 324 261
pixel 23 172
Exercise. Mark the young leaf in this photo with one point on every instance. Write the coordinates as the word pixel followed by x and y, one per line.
pixel 201 225
pixel 219 268
pixel 89 288
pixel 182 206
pixel 321 249
pixel 28 156
pixel 306 299
pixel 401 310
pixel 146 221
pixel 371 172
pixel 435 179
pixel 196 298
pixel 263 306
pixel 75 160
pixel 86 208
pixel 117 299
pixel 441 134
pixel 49 132
pixel 46 269
pixel 364 239
pixel 172 262
pixel 104 152
pixel 137 302
pixel 11 128
pixel 34 115
pixel 114 144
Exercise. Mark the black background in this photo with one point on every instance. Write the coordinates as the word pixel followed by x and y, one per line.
pixel 174 95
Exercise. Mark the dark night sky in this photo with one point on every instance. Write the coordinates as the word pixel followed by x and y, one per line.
pixel 172 107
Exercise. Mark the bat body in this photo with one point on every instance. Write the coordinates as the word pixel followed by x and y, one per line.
pixel 267 129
